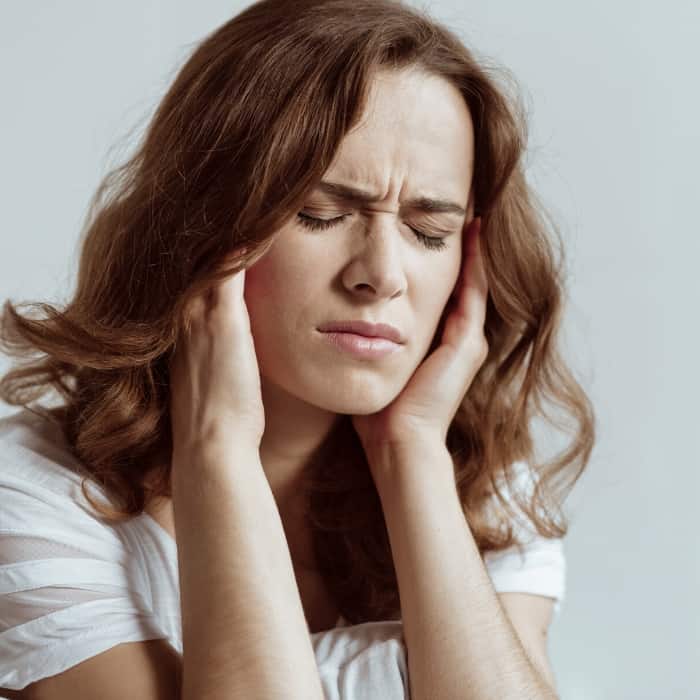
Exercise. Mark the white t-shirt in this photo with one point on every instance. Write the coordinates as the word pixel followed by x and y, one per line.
pixel 72 586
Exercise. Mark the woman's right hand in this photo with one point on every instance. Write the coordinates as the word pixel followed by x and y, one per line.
pixel 215 394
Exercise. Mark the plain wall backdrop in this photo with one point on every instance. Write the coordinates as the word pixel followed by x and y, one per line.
pixel 613 102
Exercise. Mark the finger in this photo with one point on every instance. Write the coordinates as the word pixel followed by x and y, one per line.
pixel 474 291
pixel 196 308
pixel 228 295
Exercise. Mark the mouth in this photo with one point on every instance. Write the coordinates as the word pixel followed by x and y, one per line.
pixel 366 329
pixel 361 346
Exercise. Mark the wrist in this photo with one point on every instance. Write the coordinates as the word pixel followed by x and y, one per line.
pixel 391 461
pixel 213 456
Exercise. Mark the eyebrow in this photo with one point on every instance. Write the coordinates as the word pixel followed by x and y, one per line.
pixel 355 194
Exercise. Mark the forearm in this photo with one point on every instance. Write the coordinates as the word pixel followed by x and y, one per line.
pixel 459 640
pixel 244 630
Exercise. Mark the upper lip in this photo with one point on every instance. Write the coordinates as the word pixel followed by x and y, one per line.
pixel 371 330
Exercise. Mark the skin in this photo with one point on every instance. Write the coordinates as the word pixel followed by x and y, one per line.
pixel 370 265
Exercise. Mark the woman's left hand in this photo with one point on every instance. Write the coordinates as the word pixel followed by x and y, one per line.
pixel 427 404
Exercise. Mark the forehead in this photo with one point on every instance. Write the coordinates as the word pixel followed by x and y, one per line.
pixel 426 203
pixel 416 136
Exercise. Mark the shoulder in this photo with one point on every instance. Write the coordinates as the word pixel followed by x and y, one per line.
pixel 71 586
pixel 40 486
pixel 33 449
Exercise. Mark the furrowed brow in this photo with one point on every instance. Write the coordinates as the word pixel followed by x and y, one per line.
pixel 355 194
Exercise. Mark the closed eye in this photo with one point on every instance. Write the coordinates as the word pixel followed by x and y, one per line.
pixel 430 242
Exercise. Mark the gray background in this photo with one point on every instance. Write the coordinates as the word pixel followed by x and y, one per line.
pixel 613 102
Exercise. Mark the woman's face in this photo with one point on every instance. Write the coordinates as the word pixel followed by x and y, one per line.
pixel 416 140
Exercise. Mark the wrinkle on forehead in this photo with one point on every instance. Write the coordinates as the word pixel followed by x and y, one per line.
pixel 408 140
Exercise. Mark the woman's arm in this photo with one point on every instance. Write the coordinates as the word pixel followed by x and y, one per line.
pixel 459 640
pixel 244 630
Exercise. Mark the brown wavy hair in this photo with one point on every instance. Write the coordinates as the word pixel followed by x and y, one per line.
pixel 249 125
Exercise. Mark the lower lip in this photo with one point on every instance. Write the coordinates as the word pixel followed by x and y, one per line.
pixel 361 345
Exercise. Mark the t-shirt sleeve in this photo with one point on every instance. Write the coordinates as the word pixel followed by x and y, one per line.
pixel 69 587
pixel 541 567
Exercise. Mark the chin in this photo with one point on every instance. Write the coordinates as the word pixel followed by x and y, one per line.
pixel 357 398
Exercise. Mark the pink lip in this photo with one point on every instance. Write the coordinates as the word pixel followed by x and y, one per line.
pixel 362 346
pixel 370 330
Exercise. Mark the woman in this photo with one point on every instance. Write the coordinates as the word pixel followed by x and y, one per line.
pixel 256 473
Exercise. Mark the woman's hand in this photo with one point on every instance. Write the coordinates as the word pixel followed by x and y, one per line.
pixel 214 374
pixel 427 404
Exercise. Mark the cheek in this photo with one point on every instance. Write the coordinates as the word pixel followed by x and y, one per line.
pixel 259 294
pixel 437 336
pixel 444 311
pixel 274 296
pixel 260 279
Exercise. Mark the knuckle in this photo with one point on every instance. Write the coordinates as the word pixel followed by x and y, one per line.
pixel 480 345
pixel 196 308
pixel 483 349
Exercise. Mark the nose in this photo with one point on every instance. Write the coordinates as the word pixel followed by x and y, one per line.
pixel 377 269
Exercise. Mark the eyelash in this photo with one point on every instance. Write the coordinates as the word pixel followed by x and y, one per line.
pixel 312 222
